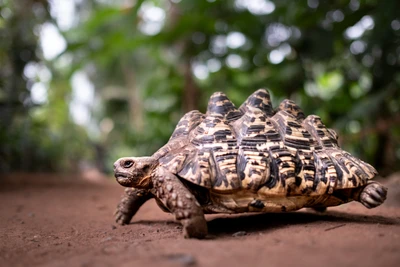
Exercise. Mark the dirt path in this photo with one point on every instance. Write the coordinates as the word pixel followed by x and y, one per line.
pixel 52 221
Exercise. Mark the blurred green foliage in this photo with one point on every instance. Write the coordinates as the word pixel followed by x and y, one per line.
pixel 151 61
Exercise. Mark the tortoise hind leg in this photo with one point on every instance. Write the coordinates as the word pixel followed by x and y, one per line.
pixel 371 195
pixel 130 203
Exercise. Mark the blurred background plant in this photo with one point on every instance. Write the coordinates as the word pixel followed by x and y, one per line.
pixel 85 82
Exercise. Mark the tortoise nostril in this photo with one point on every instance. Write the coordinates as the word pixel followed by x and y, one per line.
pixel 127 163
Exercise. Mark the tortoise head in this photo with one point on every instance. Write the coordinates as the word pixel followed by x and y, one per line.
pixel 135 172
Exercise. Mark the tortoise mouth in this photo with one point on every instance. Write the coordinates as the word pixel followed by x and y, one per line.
pixel 122 178
pixel 120 174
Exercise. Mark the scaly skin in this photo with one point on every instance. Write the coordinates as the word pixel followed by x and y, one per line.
pixel 180 202
pixel 130 203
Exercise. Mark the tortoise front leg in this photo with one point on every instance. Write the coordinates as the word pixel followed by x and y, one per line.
pixel 130 203
pixel 180 202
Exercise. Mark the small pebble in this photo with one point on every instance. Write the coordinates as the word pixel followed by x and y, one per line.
pixel 183 259
pixel 240 233
pixel 106 239
pixel 110 250
pixel 35 238
pixel 113 227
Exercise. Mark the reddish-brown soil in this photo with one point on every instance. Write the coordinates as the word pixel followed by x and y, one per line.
pixel 59 220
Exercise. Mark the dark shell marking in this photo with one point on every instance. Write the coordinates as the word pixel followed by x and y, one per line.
pixel 179 137
pixel 267 153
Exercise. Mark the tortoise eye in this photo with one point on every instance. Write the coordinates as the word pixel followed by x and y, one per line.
pixel 127 163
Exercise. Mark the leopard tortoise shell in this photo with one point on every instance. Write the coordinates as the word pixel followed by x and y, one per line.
pixel 247 159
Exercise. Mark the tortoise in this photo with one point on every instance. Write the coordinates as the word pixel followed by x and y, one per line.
pixel 247 159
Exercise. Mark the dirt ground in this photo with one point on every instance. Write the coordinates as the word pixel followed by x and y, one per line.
pixel 59 220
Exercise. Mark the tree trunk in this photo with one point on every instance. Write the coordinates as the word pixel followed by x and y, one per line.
pixel 191 92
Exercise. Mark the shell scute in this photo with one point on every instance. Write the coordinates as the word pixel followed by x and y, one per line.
pixel 217 144
pixel 220 105
pixel 349 172
pixel 253 157
pixel 261 100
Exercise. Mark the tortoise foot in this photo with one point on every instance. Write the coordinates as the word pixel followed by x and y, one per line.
pixel 195 227
pixel 373 195
pixel 121 217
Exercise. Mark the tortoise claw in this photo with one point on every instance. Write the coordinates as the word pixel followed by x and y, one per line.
pixel 121 217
